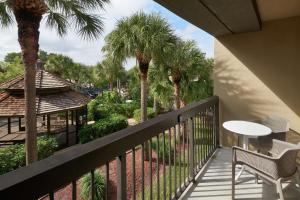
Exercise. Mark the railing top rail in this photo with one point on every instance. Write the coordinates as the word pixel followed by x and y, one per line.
pixel 62 168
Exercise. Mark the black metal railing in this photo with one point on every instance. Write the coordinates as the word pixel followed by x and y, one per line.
pixel 156 159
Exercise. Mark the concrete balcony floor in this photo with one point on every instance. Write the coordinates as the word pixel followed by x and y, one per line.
pixel 214 182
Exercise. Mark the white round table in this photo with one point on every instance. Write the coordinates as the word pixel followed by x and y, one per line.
pixel 246 130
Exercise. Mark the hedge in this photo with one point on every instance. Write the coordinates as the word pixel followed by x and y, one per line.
pixel 102 127
pixel 137 114
pixel 13 156
pixel 99 186
pixel 97 111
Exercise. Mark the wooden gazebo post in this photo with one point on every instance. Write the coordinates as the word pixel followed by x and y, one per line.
pixel 67 128
pixel 9 125
pixel 77 124
pixel 20 123
pixel 48 124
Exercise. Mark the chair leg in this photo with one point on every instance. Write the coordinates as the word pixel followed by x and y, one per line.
pixel 298 178
pixel 233 181
pixel 279 189
pixel 256 179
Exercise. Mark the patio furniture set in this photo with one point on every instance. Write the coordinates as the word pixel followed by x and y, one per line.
pixel 273 160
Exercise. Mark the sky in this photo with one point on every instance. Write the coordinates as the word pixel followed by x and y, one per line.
pixel 89 52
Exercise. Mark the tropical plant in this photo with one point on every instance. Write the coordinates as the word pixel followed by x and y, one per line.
pixel 181 58
pixel 99 186
pixel 160 87
pixel 111 69
pixel 58 14
pixel 141 36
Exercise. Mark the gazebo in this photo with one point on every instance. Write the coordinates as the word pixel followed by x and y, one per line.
pixel 60 109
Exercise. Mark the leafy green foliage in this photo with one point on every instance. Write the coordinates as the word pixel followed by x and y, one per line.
pixel 13 156
pixel 102 127
pixel 11 70
pixel 137 114
pixel 169 149
pixel 99 186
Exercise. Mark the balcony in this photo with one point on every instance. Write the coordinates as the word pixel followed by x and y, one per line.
pixel 186 162
pixel 214 182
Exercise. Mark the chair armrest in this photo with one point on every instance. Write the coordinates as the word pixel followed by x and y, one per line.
pixel 260 162
pixel 278 147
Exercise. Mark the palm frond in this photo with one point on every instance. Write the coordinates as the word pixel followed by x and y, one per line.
pixel 57 21
pixel 6 17
pixel 78 13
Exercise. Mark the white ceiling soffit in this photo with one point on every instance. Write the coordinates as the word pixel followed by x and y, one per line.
pixel 278 9
pixel 217 17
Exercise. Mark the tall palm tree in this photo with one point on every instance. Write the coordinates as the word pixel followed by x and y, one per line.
pixel 181 57
pixel 58 14
pixel 111 69
pixel 141 36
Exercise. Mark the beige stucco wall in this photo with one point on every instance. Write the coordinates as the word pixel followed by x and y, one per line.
pixel 258 74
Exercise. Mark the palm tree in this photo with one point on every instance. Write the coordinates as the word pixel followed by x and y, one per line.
pixel 111 69
pixel 181 57
pixel 58 14
pixel 141 36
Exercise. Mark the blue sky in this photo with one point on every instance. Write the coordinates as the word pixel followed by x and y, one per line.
pixel 90 52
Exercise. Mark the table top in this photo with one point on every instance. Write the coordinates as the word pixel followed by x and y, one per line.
pixel 247 128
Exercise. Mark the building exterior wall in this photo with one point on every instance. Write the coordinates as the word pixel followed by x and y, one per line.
pixel 258 74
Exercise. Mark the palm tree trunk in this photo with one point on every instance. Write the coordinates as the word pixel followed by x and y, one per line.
pixel 144 96
pixel 111 86
pixel 176 95
pixel 28 36
pixel 155 105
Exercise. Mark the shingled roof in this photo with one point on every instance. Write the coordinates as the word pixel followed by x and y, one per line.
pixel 54 94
pixel 44 80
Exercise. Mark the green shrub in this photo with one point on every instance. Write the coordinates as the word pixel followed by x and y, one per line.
pixel 13 156
pixel 109 97
pixel 102 127
pixel 46 146
pixel 129 108
pixel 160 151
pixel 86 186
pixel 137 114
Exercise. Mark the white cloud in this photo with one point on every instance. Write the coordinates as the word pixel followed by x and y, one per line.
pixel 89 52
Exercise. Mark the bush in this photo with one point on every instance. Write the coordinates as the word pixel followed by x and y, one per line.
pixel 102 127
pixel 160 150
pixel 86 186
pixel 137 114
pixel 110 97
pixel 129 108
pixel 13 156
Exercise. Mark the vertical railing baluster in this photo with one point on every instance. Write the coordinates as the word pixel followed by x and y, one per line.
pixel 198 141
pixel 143 172
pixel 121 177
pixel 175 174
pixel 164 165
pixel 51 195
pixel 106 180
pixel 93 184
pixel 74 190
pixel 184 163
pixel 150 169
pixel 217 124
pixel 191 147
pixel 170 165
pixel 157 169
pixel 133 174
pixel 179 155
pixel 206 135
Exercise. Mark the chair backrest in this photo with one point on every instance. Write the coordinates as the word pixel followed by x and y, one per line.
pixel 276 124
pixel 287 162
